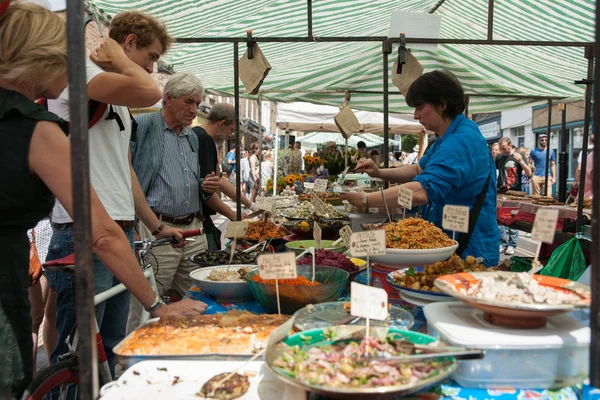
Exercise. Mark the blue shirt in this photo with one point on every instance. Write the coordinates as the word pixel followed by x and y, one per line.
pixel 231 157
pixel 175 191
pixel 538 156
pixel 455 170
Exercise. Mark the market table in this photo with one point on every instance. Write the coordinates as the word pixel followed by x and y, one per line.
pixel 446 390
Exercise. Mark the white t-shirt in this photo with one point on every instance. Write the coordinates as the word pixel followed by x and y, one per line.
pixel 590 148
pixel 109 162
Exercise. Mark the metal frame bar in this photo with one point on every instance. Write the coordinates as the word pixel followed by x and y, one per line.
pixel 490 21
pixel 548 149
pixel 238 134
pixel 82 227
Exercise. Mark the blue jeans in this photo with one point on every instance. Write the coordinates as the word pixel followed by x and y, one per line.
pixel 508 236
pixel 110 315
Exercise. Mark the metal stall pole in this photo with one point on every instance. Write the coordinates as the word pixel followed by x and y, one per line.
pixel 236 90
pixel 589 54
pixel 490 22
pixel 595 250
pixel 386 49
pixel 562 155
pixel 309 21
pixel 260 143
pixel 548 147
pixel 466 105
pixel 82 228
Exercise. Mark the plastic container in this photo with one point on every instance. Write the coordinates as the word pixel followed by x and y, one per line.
pixel 550 357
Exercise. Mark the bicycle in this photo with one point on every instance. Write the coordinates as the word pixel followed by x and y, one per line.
pixel 65 373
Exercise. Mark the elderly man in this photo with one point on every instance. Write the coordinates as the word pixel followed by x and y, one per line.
pixel 218 127
pixel 165 157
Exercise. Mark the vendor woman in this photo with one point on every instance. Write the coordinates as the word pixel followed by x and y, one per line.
pixel 458 169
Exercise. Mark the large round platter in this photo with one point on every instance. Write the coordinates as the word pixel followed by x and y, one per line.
pixel 228 291
pixel 312 337
pixel 413 293
pixel 516 315
pixel 401 258
pixel 324 315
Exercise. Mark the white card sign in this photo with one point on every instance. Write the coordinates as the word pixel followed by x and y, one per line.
pixel 346 235
pixel 317 203
pixel 405 197
pixel 265 204
pixel 544 225
pixel 309 185
pixel 317 234
pixel 456 218
pixel 320 185
pixel 338 189
pixel 368 302
pixel 277 266
pixel 369 243
pixel 236 229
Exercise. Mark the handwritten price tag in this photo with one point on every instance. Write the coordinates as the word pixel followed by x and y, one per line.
pixel 317 234
pixel 405 197
pixel 265 204
pixel 544 226
pixel 320 185
pixel 346 235
pixel 369 243
pixel 338 189
pixel 317 203
pixel 309 185
pixel 236 229
pixel 368 302
pixel 277 266
pixel 456 218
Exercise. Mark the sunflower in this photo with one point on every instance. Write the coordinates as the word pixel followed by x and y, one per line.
pixel 309 160
pixel 318 160
pixel 289 179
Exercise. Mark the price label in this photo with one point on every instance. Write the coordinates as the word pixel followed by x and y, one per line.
pixel 368 302
pixel 236 229
pixel 309 185
pixel 277 266
pixel 265 204
pixel 369 243
pixel 338 189
pixel 346 235
pixel 317 203
pixel 317 234
pixel 405 197
pixel 544 225
pixel 373 210
pixel 320 185
pixel 456 218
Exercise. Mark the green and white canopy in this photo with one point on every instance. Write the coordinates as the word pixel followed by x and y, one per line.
pixel 529 71
pixel 313 139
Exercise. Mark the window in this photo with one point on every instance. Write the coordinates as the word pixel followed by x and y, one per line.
pixel 519 136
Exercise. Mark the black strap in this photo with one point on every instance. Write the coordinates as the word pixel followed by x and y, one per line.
pixel 463 239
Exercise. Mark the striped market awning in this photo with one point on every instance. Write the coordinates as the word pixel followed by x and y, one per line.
pixel 302 67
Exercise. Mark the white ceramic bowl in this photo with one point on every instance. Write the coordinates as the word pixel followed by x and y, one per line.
pixel 230 292
pixel 401 258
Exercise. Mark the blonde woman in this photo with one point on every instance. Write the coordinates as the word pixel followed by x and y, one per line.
pixel 34 168
pixel 266 168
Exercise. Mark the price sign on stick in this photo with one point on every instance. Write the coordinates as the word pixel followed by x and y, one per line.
pixel 369 303
pixel 405 199
pixel 236 229
pixel 346 235
pixel 265 204
pixel 317 203
pixel 317 234
pixel 320 185
pixel 456 219
pixel 309 185
pixel 369 243
pixel 277 266
pixel 544 228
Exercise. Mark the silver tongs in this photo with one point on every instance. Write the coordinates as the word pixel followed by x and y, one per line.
pixel 442 353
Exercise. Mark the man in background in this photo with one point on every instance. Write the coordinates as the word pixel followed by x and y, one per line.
pixel 538 157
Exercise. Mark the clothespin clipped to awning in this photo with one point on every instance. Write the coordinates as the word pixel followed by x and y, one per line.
pixel 401 60
pixel 254 67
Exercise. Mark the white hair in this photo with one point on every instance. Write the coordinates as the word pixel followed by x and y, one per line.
pixel 183 84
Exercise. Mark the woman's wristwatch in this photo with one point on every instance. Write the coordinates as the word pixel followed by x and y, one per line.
pixel 158 302
pixel 365 200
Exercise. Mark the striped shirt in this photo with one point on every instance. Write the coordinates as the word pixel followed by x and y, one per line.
pixel 175 191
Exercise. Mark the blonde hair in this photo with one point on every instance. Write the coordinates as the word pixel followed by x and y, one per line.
pixel 33 44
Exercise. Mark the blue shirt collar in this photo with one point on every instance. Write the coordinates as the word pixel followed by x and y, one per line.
pixel 455 122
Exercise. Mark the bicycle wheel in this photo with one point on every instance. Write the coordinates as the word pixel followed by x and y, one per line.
pixel 60 375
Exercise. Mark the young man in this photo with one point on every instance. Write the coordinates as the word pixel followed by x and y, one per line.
pixel 511 167
pixel 165 159
pixel 245 169
pixel 538 156
pixel 118 75
pixel 218 127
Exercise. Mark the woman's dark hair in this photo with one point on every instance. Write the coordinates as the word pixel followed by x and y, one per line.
pixel 361 145
pixel 438 88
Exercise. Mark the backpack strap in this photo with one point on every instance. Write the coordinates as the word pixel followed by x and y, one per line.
pixel 464 238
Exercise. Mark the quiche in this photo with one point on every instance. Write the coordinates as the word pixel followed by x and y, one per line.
pixel 235 332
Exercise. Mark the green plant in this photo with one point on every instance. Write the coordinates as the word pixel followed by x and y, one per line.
pixel 409 142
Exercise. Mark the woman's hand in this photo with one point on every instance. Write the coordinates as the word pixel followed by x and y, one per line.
pixel 368 166
pixel 185 307
pixel 354 198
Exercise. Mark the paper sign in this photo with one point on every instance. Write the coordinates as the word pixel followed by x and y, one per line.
pixel 253 72
pixel 265 204
pixel 369 243
pixel 368 302
pixel 544 225
pixel 317 203
pixel 280 266
pixel 373 210
pixel 346 122
pixel 309 185
pixel 317 235
pixel 236 229
pixel 456 218
pixel 410 72
pixel 320 185
pixel 338 189
pixel 405 197
pixel 346 235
